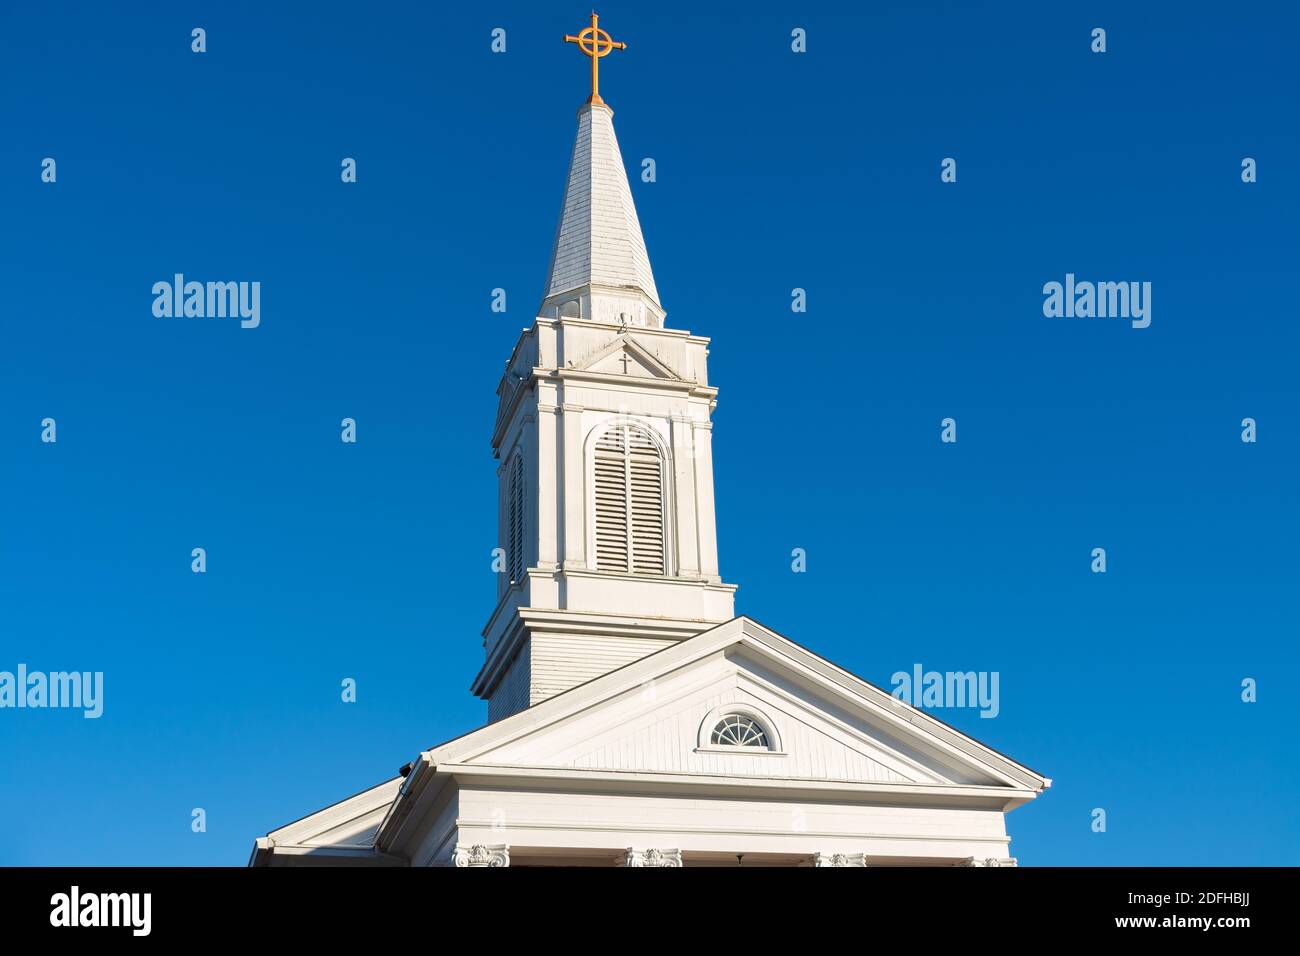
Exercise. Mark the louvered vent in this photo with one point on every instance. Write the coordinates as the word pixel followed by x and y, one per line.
pixel 515 520
pixel 629 502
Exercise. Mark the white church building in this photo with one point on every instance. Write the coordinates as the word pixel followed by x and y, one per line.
pixel 633 718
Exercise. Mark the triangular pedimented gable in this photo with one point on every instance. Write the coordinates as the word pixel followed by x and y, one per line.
pixel 655 716
pixel 506 393
pixel 626 356
pixel 341 833
pixel 665 727
pixel 514 381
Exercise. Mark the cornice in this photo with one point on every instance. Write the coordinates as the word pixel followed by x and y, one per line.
pixel 626 382
pixel 764 787
pixel 590 826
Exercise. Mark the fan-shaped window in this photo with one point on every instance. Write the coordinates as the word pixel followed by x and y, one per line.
pixel 629 501
pixel 515 520
pixel 738 730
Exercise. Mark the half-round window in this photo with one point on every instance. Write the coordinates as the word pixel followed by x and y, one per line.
pixel 737 730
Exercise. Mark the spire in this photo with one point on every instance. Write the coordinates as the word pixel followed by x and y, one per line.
pixel 599 267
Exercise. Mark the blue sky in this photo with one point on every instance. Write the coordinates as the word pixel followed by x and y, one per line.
pixel 775 171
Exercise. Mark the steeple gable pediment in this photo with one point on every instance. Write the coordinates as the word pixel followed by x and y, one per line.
pixel 626 356
pixel 515 382
pixel 506 393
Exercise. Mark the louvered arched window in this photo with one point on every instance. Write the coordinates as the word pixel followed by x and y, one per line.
pixel 515 520
pixel 629 500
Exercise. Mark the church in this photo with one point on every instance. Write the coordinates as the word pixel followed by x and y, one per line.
pixel 633 718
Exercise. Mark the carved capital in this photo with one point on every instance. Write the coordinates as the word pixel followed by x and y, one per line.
pixel 480 855
pixel 988 861
pixel 652 857
pixel 839 859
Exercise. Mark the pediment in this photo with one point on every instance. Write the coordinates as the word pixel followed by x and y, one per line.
pixel 654 717
pixel 506 392
pixel 626 356
pixel 349 823
pixel 666 728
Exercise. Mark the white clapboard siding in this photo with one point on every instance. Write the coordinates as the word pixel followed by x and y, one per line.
pixel 512 692
pixel 563 661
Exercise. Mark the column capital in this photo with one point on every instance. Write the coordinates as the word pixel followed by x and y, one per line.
pixel 839 859
pixel 652 857
pixel 988 861
pixel 480 855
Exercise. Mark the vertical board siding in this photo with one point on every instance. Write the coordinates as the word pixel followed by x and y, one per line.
pixel 668 745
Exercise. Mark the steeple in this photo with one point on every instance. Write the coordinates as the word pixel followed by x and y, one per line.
pixel 607 547
pixel 599 267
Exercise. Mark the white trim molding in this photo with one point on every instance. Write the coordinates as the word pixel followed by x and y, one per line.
pixel 480 855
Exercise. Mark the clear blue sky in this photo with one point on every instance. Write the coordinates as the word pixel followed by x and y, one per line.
pixel 775 170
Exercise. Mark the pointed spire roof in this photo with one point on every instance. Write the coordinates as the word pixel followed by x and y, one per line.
pixel 599 266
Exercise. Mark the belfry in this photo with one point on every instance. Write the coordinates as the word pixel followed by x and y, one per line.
pixel 633 718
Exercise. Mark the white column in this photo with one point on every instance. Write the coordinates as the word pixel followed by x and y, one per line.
pixel 571 498
pixel 685 513
pixel 548 495
pixel 480 855
pixel 708 528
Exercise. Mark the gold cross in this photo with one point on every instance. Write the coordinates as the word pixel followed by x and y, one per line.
pixel 596 43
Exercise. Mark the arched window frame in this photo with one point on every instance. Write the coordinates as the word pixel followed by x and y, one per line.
pixel 704 737
pixel 666 489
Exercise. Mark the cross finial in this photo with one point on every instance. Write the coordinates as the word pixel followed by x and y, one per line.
pixel 596 43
